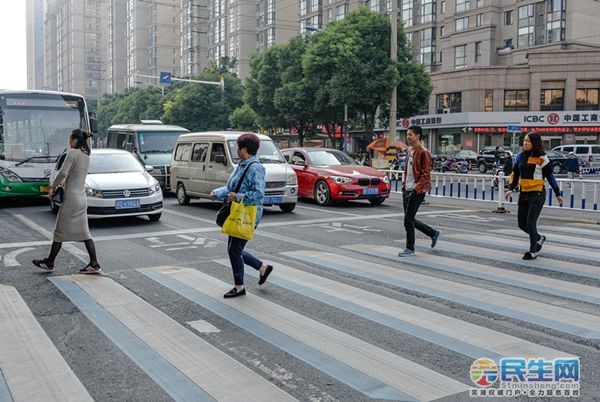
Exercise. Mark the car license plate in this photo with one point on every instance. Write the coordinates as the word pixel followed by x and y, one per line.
pixel 127 204
pixel 43 189
pixel 370 191
pixel 273 200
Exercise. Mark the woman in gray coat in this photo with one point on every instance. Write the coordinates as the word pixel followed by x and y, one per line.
pixel 72 222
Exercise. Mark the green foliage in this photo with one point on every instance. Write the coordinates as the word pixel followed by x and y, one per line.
pixel 244 119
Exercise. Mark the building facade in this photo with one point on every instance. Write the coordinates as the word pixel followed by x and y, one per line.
pixel 194 37
pixel 35 44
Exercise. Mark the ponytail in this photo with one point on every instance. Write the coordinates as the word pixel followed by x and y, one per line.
pixel 82 138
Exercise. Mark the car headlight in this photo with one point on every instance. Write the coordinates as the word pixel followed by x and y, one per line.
pixel 292 180
pixel 386 179
pixel 155 188
pixel 90 192
pixel 10 176
pixel 341 179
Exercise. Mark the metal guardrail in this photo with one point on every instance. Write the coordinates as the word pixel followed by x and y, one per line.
pixel 482 187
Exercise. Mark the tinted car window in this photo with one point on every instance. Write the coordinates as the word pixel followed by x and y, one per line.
pixel 182 153
pixel 114 163
pixel 582 150
pixel 329 158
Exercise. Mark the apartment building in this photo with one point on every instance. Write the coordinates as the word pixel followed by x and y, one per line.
pixel 194 37
pixel 35 44
pixel 276 22
pixel 533 64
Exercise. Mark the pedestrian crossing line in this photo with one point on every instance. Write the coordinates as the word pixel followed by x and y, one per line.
pixel 555 238
pixel 572 230
pixel 555 287
pixel 522 245
pixel 5 395
pixel 183 364
pixel 32 367
pixel 368 369
pixel 546 315
pixel 565 267
pixel 451 333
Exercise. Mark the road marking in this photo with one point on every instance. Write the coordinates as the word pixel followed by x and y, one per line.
pixel 555 238
pixel 33 368
pixel 5 395
pixel 366 368
pixel 10 259
pixel 450 333
pixel 180 248
pixel 522 280
pixel 578 231
pixel 327 211
pixel 183 364
pixel 204 327
pixel 546 315
pixel 190 238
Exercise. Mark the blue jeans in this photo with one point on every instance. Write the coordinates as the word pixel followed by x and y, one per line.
pixel 238 257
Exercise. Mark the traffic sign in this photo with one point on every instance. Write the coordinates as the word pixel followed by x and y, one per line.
pixel 514 129
pixel 165 78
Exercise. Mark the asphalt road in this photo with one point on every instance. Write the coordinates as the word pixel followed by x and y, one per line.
pixel 341 317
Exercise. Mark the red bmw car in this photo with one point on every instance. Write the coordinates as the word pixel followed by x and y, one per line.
pixel 329 175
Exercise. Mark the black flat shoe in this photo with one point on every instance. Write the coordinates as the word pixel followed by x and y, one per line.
pixel 234 293
pixel 263 278
pixel 43 265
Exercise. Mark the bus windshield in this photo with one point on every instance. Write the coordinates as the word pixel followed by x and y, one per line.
pixel 158 142
pixel 36 127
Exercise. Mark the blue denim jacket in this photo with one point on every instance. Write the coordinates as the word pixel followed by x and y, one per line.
pixel 253 187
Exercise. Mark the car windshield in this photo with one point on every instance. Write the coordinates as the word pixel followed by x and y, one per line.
pixel 158 142
pixel 267 152
pixel 329 157
pixel 113 163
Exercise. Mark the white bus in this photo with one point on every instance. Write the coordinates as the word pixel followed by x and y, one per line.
pixel 34 131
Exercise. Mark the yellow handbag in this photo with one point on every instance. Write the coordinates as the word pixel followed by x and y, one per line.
pixel 241 221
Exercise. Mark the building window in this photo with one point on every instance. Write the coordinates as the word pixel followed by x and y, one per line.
pixel 516 100
pixel 508 43
pixel 462 6
pixel 443 7
pixel 341 12
pixel 552 99
pixel 442 31
pixel 449 103
pixel 508 17
pixel 407 12
pixel 488 105
pixel 477 52
pixel 479 20
pixel 427 48
pixel 460 56
pixel 462 24
pixel 556 20
pixel 427 11
pixel 587 99
pixel 302 7
pixel 526 26
pixel 315 6
pixel 479 3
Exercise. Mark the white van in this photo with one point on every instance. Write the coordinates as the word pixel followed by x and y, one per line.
pixel 202 162
pixel 588 153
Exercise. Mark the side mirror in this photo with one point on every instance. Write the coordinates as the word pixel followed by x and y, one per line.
pixel 221 160
pixel 300 163
pixel 149 168
pixel 93 125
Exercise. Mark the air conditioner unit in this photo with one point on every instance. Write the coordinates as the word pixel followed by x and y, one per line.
pixel 446 111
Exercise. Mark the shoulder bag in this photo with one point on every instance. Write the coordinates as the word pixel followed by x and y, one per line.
pixel 225 210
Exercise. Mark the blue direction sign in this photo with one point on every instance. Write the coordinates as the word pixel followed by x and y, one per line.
pixel 513 129
pixel 165 78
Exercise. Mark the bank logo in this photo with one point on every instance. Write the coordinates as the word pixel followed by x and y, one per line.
pixel 553 118
pixel 484 372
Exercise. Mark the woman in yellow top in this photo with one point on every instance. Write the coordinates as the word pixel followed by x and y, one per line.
pixel 532 166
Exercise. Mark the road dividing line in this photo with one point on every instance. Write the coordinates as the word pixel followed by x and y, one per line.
pixel 542 314
pixel 33 368
pixel 448 332
pixel 522 280
pixel 370 370
pixel 183 364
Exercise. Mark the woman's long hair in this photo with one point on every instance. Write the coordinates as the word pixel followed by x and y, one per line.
pixel 537 146
pixel 82 140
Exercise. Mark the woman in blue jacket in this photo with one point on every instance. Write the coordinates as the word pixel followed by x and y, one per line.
pixel 252 190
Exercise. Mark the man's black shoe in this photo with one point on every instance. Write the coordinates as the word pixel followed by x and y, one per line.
pixel 234 293
pixel 540 243
pixel 263 278
pixel 529 256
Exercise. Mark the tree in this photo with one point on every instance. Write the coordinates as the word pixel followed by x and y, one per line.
pixel 244 119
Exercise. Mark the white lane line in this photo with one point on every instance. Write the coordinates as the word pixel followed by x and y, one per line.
pixel 212 370
pixel 556 238
pixel 579 231
pixel 32 366
pixel 326 211
pixel 10 259
pixel 180 248
pixel 402 374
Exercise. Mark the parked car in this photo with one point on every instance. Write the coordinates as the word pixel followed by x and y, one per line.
pixel 558 160
pixel 329 175
pixel 589 153
pixel 487 157
pixel 118 185
pixel 466 155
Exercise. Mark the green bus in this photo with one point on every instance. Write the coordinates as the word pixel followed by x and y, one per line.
pixel 34 130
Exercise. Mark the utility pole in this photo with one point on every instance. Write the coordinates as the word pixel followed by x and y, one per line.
pixel 394 57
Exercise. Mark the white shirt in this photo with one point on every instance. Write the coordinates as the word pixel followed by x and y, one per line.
pixel 409 180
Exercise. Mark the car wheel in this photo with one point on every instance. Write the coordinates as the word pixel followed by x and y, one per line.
pixel 288 207
pixel 556 168
pixel 154 217
pixel 482 168
pixel 53 207
pixel 322 193
pixel 376 201
pixel 182 197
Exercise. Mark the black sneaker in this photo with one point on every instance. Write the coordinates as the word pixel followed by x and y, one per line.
pixel 435 238
pixel 43 265
pixel 234 293
pixel 540 243
pixel 529 256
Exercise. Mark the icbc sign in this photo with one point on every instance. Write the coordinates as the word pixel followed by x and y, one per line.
pixel 405 123
pixel 552 118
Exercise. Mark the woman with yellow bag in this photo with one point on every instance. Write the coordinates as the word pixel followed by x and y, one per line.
pixel 245 189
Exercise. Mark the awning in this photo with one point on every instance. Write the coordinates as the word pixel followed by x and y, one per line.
pixel 382 145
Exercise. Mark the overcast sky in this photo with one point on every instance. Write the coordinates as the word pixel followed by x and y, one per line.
pixel 13 54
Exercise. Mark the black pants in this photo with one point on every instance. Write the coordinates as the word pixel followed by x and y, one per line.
pixel 412 201
pixel 530 207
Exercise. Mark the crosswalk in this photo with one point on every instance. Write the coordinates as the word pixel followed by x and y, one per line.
pixel 555 296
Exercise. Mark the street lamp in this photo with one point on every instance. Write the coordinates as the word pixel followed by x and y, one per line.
pixel 159 87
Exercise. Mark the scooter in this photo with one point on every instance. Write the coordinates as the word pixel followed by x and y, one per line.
pixel 451 165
